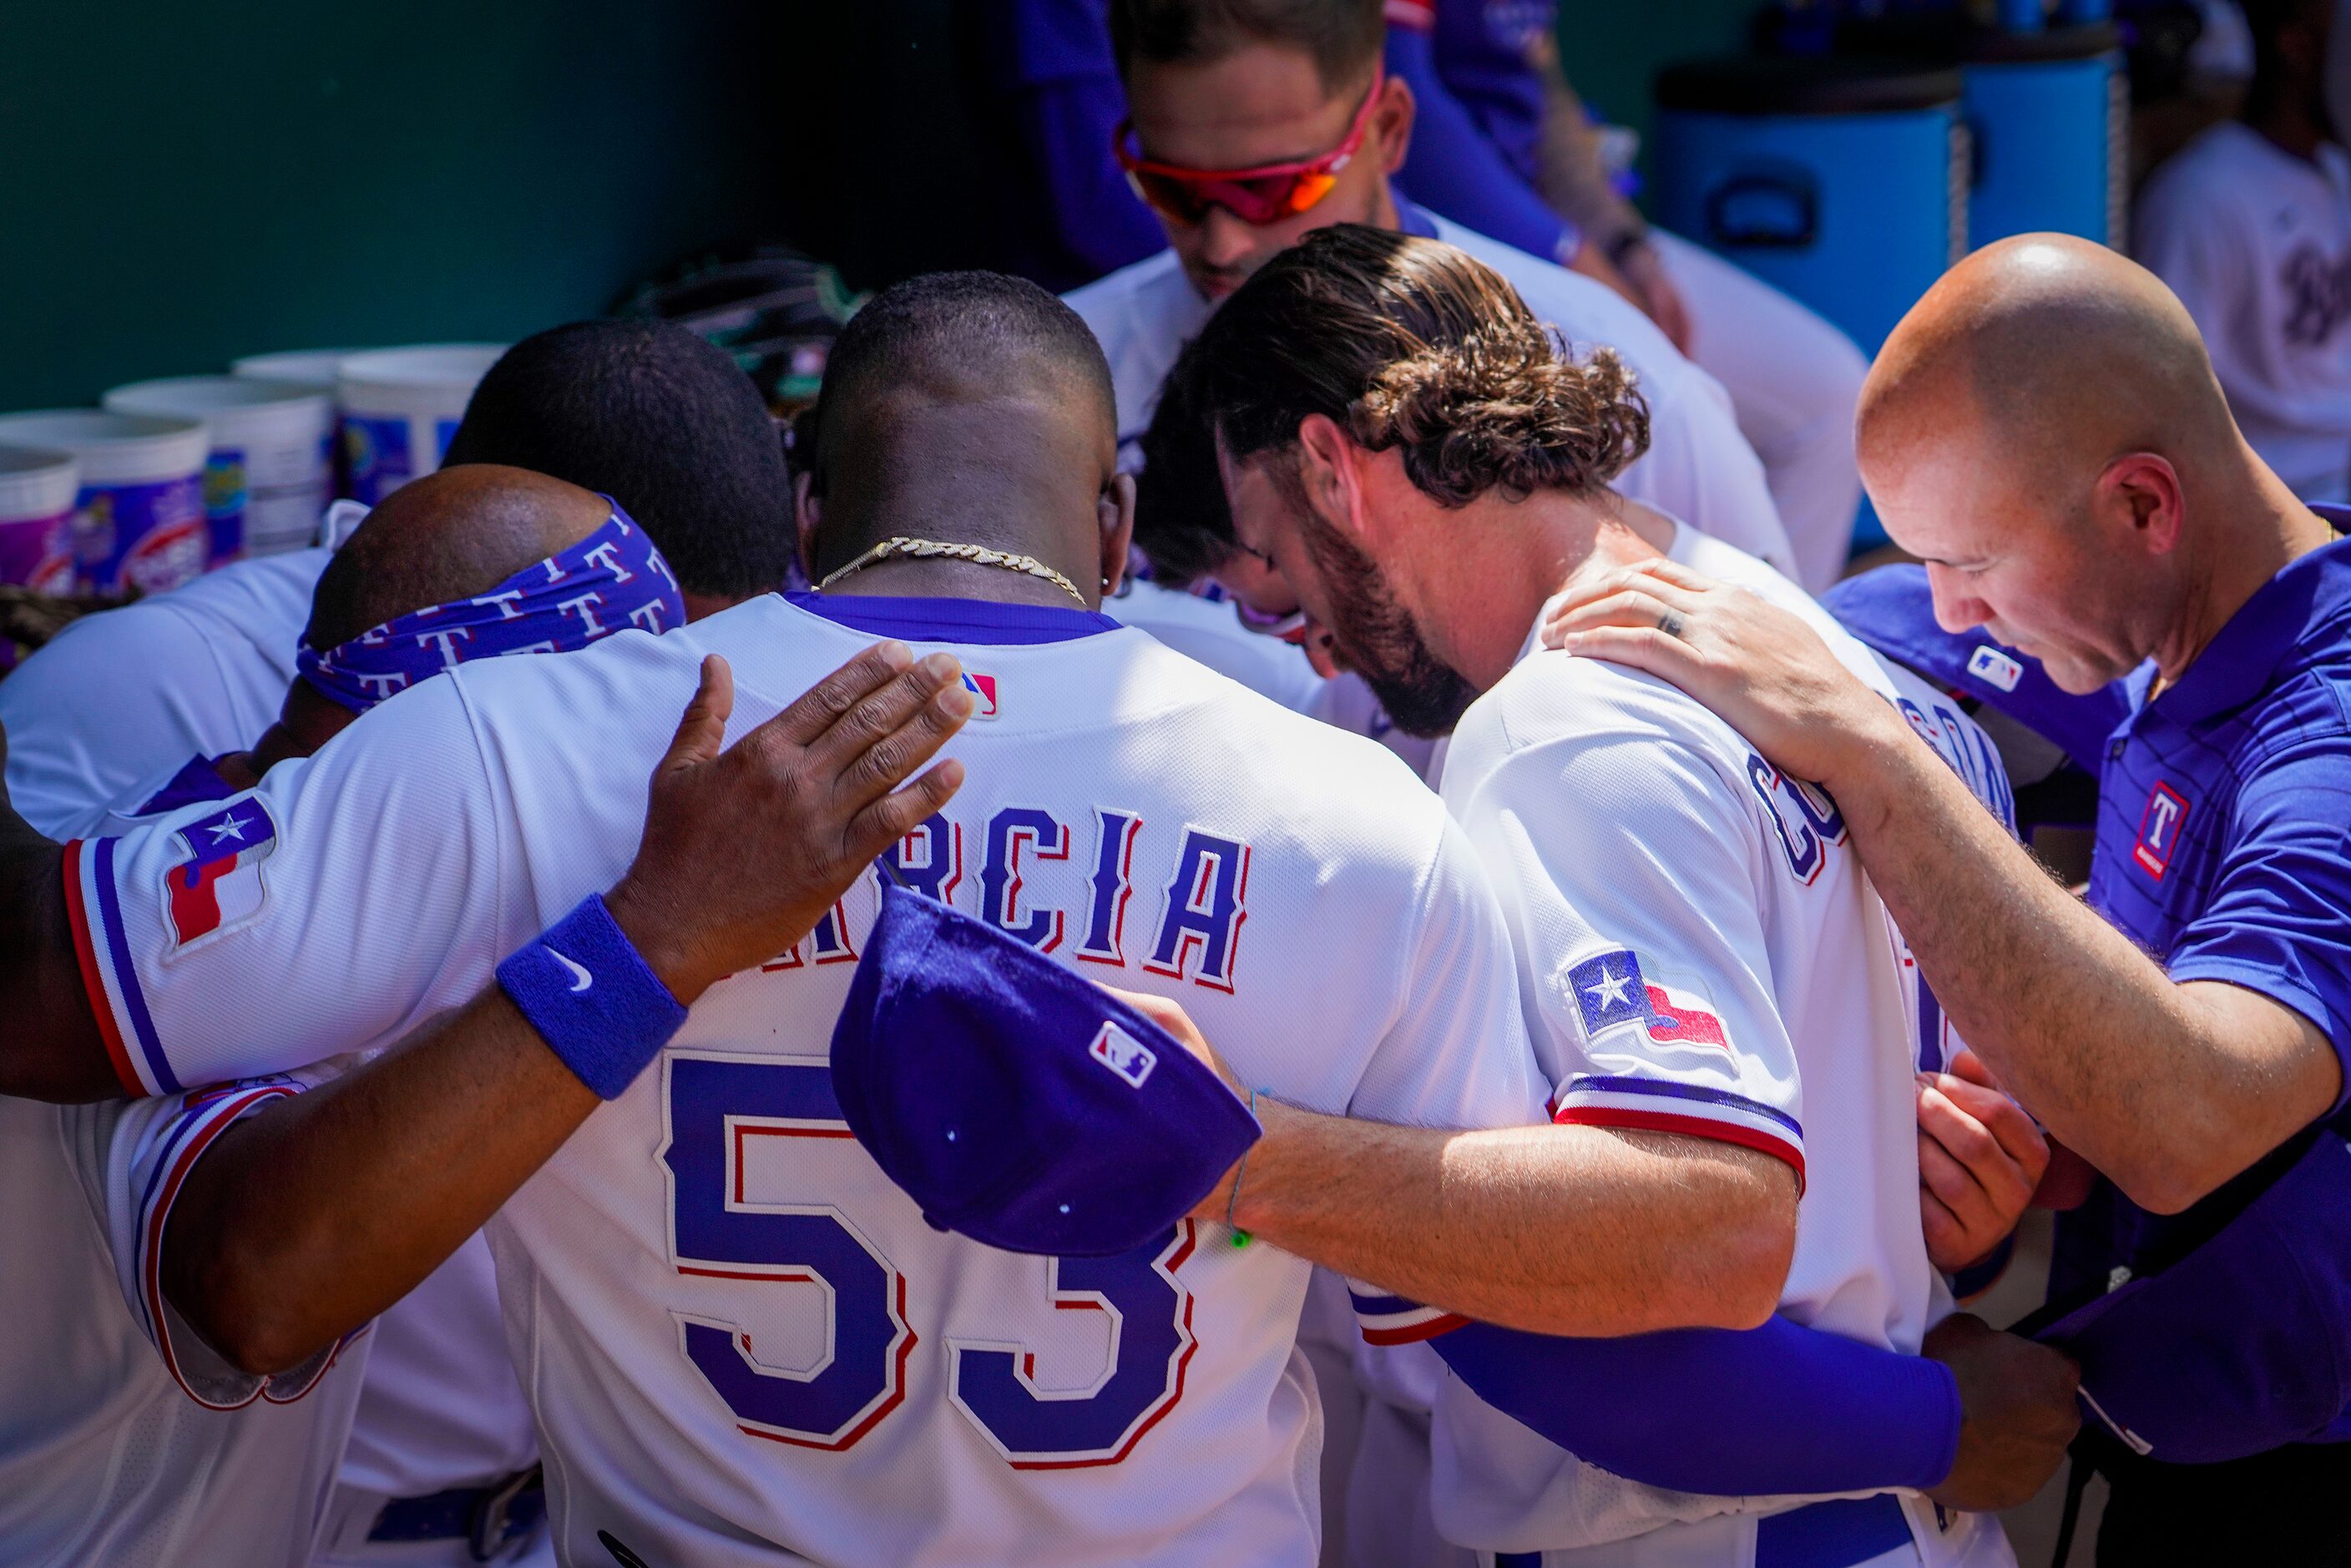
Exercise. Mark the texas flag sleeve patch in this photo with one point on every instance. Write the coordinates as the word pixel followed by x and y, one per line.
pixel 216 883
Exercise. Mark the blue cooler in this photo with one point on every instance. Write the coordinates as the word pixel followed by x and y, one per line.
pixel 2050 116
pixel 1840 180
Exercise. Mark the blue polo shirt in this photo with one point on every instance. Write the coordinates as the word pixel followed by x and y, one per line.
pixel 2224 851
pixel 2224 824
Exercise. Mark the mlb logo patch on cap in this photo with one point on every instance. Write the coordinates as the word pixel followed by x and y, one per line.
pixel 983 694
pixel 1015 1101
pixel 1123 1054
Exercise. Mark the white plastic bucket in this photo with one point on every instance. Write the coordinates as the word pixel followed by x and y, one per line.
pixel 314 368
pixel 139 517
pixel 38 487
pixel 266 480
pixel 400 407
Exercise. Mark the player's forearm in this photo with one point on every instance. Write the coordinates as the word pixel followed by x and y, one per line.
pixel 49 1045
pixel 320 1212
pixel 1562 1230
pixel 2090 1034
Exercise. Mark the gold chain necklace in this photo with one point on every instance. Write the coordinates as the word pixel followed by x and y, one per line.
pixel 978 555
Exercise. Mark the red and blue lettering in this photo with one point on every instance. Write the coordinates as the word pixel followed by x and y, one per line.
pixel 1009 831
pixel 1208 900
pixel 1105 940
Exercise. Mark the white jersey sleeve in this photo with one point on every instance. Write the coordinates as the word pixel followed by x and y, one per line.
pixel 1456 1057
pixel 349 897
pixel 147 1154
pixel 1659 1009
pixel 202 670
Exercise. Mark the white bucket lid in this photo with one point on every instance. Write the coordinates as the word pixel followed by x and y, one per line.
pixel 36 482
pixel 432 379
pixel 313 368
pixel 240 412
pixel 114 448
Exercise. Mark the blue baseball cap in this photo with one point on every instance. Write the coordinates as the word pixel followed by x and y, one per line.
pixel 2243 1344
pixel 1018 1102
pixel 1892 608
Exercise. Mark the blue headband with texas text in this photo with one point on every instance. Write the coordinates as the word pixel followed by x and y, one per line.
pixel 609 582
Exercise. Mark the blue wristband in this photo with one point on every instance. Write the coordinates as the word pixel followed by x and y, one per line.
pixel 592 997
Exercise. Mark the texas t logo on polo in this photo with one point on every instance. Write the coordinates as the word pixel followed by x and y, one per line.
pixel 983 694
pixel 2159 829
pixel 219 885
pixel 1611 991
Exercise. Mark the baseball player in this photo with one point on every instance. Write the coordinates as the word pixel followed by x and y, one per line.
pixel 1254 125
pixel 439 1411
pixel 740 1337
pixel 2141 539
pixel 2250 225
pixel 1502 145
pixel 1699 954
pixel 639 409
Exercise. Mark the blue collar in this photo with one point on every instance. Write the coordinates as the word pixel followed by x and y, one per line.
pixel 194 781
pixel 1412 220
pixel 2292 617
pixel 953 620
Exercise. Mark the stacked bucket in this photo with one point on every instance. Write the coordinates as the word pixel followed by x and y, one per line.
pixel 169 478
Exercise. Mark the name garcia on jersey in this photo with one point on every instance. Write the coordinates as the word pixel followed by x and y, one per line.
pixel 1050 882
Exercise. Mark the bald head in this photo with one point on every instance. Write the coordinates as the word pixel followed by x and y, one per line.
pixel 451 534
pixel 2045 430
pixel 2063 351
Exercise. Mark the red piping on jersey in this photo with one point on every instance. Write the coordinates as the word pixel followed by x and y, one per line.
pixel 93 986
pixel 1692 1126
pixel 1412 1333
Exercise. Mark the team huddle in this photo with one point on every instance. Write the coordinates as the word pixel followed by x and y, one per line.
pixel 1366 657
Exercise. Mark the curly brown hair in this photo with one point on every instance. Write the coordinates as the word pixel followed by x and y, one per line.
pixel 1403 342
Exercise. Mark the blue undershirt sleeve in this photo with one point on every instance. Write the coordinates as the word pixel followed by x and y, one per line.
pixel 1453 170
pixel 1786 1410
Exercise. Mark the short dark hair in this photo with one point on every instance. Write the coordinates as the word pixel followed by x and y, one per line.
pixel 1401 342
pixel 660 421
pixel 951 330
pixel 1345 37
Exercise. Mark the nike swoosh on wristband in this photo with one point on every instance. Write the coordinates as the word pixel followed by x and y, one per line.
pixel 585 979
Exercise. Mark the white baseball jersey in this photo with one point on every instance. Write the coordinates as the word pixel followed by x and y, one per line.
pixel 123 1438
pixel 441 1406
pixel 115 697
pixel 1699 952
pixel 2257 244
pixel 1697 466
pixel 1206 629
pixel 737 1333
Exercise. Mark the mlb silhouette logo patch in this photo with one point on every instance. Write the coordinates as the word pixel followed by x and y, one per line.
pixel 1994 668
pixel 983 694
pixel 1123 1054
pixel 2158 830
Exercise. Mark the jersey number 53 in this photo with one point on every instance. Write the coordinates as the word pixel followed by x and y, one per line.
pixel 714 1106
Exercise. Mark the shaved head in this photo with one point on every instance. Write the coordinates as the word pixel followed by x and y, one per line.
pixel 967 407
pixel 450 535
pixel 2064 349
pixel 2046 431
